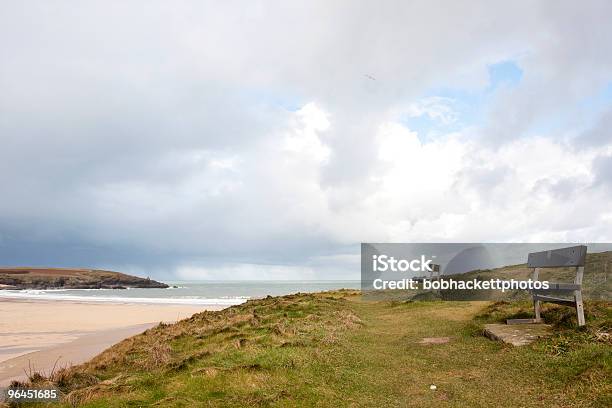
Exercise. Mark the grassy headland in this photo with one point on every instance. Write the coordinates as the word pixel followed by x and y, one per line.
pixel 68 278
pixel 335 349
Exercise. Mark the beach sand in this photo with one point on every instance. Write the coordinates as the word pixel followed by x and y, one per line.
pixel 40 334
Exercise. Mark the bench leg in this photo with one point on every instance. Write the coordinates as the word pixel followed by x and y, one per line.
pixel 578 296
pixel 537 310
pixel 579 308
pixel 536 303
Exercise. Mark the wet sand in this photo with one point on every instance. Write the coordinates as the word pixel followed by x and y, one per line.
pixel 39 335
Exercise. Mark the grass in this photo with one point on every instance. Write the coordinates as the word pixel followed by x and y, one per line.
pixel 335 349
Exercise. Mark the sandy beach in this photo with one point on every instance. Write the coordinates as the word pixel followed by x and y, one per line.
pixel 41 334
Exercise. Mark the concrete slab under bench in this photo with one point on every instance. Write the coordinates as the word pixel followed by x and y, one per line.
pixel 517 334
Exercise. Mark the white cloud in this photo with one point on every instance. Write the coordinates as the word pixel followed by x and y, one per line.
pixel 436 108
pixel 246 272
pixel 180 137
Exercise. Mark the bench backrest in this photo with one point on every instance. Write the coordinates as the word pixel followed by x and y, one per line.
pixel 572 256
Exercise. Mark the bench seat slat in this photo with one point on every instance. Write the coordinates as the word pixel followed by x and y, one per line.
pixel 559 287
pixel 551 299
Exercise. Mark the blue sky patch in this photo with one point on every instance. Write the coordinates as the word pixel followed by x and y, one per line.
pixel 504 73
pixel 469 105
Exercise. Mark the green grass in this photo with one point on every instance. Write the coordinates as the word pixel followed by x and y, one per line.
pixel 334 349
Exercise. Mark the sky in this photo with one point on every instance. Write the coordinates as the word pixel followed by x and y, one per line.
pixel 267 139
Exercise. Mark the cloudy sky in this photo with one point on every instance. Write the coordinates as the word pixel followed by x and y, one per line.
pixel 265 140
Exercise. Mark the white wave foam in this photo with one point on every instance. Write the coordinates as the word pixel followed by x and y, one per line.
pixel 45 295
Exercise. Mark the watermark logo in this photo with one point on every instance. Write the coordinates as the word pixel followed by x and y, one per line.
pixel 384 263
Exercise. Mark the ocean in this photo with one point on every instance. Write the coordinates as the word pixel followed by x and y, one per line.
pixel 209 293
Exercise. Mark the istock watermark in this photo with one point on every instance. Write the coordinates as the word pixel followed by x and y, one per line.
pixel 452 284
pixel 485 271
pixel 385 263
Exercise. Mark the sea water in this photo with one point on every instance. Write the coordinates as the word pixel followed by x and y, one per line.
pixel 209 293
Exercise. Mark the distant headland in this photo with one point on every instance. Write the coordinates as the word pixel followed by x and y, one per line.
pixel 70 278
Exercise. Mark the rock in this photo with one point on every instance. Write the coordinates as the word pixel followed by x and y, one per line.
pixel 434 340
pixel 518 334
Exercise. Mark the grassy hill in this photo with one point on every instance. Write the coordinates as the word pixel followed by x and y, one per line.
pixel 46 278
pixel 335 349
pixel 596 283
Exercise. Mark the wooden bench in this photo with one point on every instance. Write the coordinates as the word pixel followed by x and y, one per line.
pixel 558 258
